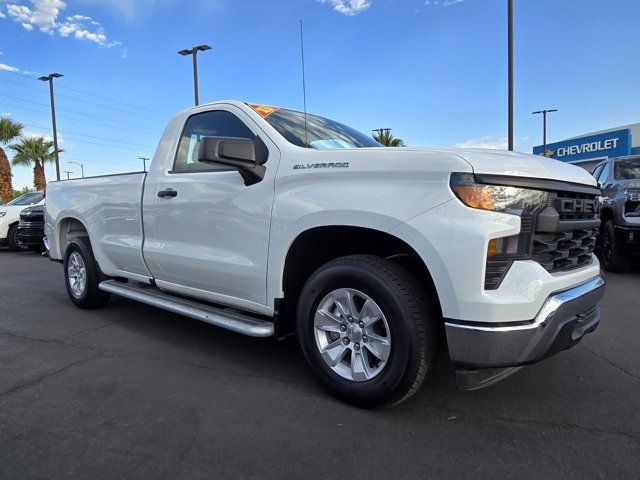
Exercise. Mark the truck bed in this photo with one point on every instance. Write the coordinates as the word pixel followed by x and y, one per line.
pixel 110 208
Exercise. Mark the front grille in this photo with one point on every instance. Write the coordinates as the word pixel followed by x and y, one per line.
pixel 564 250
pixel 560 234
pixel 631 206
pixel 574 206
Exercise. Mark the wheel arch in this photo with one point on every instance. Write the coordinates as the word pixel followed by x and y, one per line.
pixel 328 242
pixel 68 229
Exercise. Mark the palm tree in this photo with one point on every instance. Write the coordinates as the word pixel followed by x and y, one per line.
pixel 9 130
pixel 34 151
pixel 385 137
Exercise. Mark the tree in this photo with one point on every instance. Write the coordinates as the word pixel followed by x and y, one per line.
pixel 22 191
pixel 385 137
pixel 9 131
pixel 34 151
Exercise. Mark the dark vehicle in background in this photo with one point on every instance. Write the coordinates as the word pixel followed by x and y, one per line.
pixel 619 179
pixel 30 233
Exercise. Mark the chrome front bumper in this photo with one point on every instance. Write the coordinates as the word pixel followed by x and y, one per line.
pixel 485 353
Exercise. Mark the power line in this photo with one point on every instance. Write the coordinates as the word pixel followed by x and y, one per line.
pixel 84 101
pixel 76 112
pixel 114 101
pixel 66 132
pixel 138 107
pixel 110 108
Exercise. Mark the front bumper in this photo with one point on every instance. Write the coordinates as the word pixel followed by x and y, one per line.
pixel 628 238
pixel 485 353
pixel 31 235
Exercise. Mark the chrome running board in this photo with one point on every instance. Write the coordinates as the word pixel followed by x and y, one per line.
pixel 228 318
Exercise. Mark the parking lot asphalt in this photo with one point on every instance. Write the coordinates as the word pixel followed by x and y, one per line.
pixel 129 391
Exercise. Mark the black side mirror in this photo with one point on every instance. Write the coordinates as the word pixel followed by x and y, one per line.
pixel 245 154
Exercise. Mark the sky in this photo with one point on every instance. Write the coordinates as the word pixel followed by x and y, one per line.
pixel 434 71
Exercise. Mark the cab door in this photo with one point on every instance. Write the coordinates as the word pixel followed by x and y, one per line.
pixel 207 233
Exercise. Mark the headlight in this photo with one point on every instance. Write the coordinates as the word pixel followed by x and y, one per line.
pixel 497 198
pixel 633 194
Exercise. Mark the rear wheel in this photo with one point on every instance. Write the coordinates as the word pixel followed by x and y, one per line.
pixel 613 259
pixel 367 330
pixel 12 241
pixel 82 275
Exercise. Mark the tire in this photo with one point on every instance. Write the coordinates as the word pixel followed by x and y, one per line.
pixel 12 242
pixel 613 259
pixel 80 264
pixel 408 324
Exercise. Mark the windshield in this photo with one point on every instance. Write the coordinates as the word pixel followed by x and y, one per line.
pixel 627 169
pixel 321 133
pixel 27 199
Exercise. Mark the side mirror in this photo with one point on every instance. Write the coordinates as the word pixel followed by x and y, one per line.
pixel 245 154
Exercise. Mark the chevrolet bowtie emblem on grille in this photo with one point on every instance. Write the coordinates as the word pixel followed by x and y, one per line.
pixel 576 205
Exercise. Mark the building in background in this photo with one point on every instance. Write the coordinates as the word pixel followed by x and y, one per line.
pixel 590 149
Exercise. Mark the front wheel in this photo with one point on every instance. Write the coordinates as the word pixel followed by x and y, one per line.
pixel 367 330
pixel 613 259
pixel 82 275
pixel 12 240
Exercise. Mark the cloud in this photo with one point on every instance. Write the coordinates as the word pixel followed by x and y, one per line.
pixel 441 3
pixel 490 141
pixel 30 134
pixel 44 14
pixel 348 7
pixel 9 68
pixel 133 10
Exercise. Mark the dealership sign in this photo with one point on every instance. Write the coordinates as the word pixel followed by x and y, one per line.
pixel 610 144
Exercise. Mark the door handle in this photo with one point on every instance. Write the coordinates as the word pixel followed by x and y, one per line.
pixel 169 192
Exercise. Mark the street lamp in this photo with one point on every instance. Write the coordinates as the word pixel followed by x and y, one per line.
pixel 510 75
pixel 68 172
pixel 49 78
pixel 194 52
pixel 544 127
pixel 80 165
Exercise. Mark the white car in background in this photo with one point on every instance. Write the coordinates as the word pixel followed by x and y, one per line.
pixel 10 217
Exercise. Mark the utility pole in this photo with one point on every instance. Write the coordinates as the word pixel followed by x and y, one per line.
pixel 544 128
pixel 68 172
pixel 380 131
pixel 49 78
pixel 80 165
pixel 510 54
pixel 194 52
pixel 144 163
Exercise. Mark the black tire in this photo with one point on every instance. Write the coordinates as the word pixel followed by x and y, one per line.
pixel 411 317
pixel 90 296
pixel 12 242
pixel 613 259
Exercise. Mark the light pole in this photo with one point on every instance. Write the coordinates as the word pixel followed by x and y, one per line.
pixel 544 128
pixel 68 172
pixel 144 163
pixel 49 78
pixel 194 52
pixel 510 75
pixel 80 165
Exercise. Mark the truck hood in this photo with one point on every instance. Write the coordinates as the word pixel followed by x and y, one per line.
pixel 499 162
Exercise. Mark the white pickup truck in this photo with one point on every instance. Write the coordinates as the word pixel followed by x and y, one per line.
pixel 269 221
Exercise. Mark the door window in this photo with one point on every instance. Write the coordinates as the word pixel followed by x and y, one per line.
pixel 604 175
pixel 217 123
pixel 596 171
